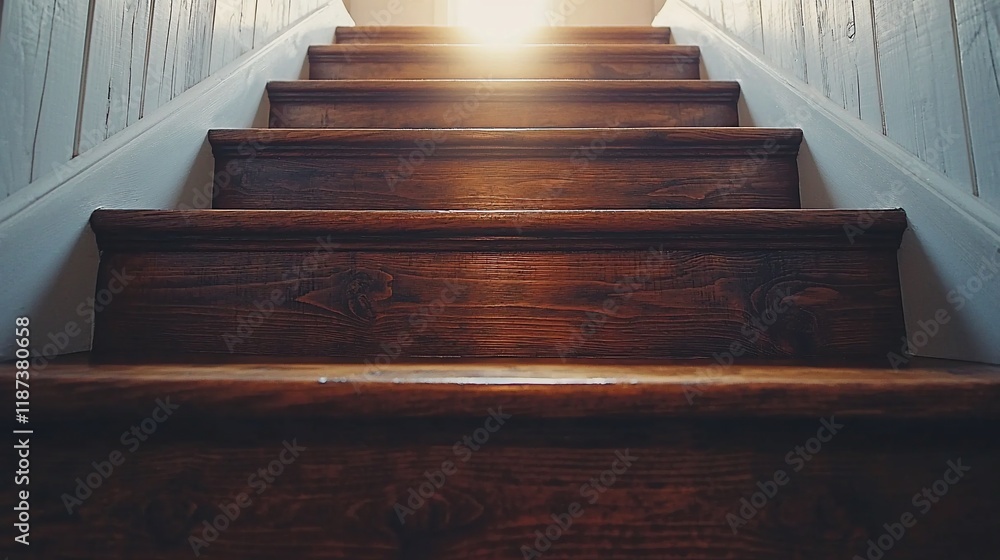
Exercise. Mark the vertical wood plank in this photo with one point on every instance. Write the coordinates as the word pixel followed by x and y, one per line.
pixel 180 49
pixel 784 35
pixel 743 21
pixel 922 94
pixel 41 61
pixel 978 24
pixel 116 61
pixel 233 31
pixel 841 58
pixel 272 18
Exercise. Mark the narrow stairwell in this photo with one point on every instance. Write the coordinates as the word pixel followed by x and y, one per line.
pixel 483 302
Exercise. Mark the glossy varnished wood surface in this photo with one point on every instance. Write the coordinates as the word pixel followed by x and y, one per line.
pixel 381 61
pixel 551 388
pixel 515 284
pixel 514 169
pixel 452 35
pixel 687 229
pixel 337 498
pixel 502 103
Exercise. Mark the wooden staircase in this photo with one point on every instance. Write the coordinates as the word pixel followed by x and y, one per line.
pixel 442 298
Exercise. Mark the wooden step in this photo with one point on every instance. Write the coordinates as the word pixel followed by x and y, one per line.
pixel 418 62
pixel 616 284
pixel 502 103
pixel 703 439
pixel 457 35
pixel 507 169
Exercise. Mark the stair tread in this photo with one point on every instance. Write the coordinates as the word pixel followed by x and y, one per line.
pixel 702 140
pixel 533 52
pixel 565 89
pixel 741 228
pixel 541 388
pixel 410 33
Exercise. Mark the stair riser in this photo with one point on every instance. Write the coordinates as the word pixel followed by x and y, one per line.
pixel 552 35
pixel 577 179
pixel 338 496
pixel 473 113
pixel 466 299
pixel 347 68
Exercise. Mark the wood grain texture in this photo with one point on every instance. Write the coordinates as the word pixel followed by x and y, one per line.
pixel 336 499
pixel 784 36
pixel 840 56
pixel 475 284
pixel 926 389
pixel 233 31
pixel 41 61
pixel 516 169
pixel 376 61
pixel 431 35
pixel 502 103
pixel 978 28
pixel 116 65
pixel 179 49
pixel 922 89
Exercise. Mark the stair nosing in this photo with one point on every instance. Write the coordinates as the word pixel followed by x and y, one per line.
pixel 676 141
pixel 533 90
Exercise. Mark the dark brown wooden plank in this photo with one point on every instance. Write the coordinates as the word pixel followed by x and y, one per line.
pixel 457 35
pixel 502 103
pixel 595 62
pixel 337 498
pixel 73 388
pixel 507 169
pixel 491 284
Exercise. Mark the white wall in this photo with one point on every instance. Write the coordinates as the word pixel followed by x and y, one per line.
pixel 144 144
pixel 894 114
pixel 565 12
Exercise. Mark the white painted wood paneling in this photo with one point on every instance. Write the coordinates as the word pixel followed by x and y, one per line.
pixel 840 56
pixel 272 17
pixel 179 49
pixel 784 36
pixel 233 31
pixel 921 86
pixel 978 24
pixel 116 64
pixel 41 61
pixel 743 21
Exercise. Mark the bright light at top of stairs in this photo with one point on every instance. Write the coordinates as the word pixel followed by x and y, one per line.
pixel 509 21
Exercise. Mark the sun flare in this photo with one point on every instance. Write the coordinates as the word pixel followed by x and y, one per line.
pixel 500 22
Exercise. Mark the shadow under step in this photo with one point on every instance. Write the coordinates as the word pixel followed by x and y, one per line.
pixel 502 103
pixel 657 458
pixel 416 62
pixel 390 169
pixel 621 284
pixel 439 35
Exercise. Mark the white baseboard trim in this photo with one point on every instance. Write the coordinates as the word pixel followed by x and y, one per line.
pixel 954 238
pixel 162 161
